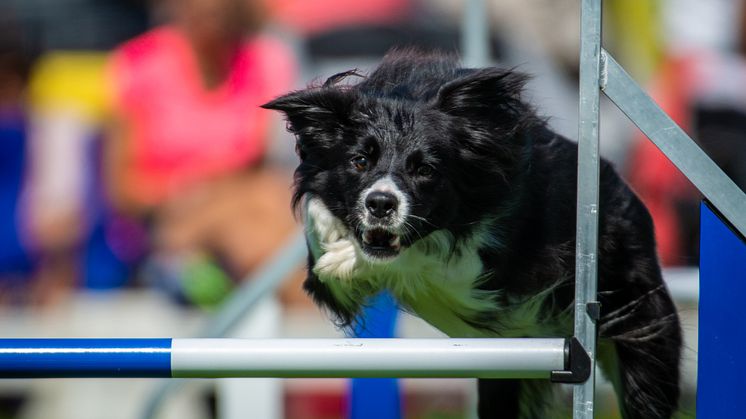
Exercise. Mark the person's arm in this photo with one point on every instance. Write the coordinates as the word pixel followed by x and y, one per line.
pixel 117 169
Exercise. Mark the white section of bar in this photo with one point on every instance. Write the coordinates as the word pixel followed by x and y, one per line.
pixel 483 358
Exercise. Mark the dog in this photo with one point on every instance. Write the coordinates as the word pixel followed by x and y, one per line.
pixel 442 185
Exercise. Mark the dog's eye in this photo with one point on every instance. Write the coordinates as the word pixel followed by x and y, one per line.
pixel 360 163
pixel 425 170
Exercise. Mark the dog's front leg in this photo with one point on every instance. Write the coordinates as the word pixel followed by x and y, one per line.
pixel 340 260
pixel 329 241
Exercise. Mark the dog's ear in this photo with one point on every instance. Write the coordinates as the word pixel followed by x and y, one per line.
pixel 314 108
pixel 491 118
pixel 483 92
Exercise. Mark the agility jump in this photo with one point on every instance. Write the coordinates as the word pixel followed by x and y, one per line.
pixel 563 360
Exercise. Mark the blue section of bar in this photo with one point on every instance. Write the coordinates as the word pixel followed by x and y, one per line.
pixel 376 398
pixel 722 335
pixel 69 358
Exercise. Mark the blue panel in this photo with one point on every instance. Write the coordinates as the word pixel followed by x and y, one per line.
pixel 722 320
pixel 57 358
pixel 376 398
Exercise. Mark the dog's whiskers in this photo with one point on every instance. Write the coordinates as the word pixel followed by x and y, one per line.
pixel 409 228
pixel 424 220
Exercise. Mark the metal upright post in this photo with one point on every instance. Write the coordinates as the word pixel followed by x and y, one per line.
pixel 475 35
pixel 587 217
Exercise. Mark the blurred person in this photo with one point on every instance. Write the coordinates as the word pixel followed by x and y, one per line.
pixel 186 149
pixel 16 263
pixel 69 224
pixel 61 198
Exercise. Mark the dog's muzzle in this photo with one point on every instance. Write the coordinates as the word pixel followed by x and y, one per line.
pixel 380 236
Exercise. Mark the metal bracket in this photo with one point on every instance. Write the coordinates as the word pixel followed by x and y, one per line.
pixel 593 308
pixel 603 70
pixel 577 364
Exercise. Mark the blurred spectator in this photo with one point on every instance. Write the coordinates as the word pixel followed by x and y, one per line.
pixel 184 154
pixel 15 261
pixel 63 198
pixel 63 206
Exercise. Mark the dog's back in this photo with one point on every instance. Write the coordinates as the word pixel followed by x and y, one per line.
pixel 640 344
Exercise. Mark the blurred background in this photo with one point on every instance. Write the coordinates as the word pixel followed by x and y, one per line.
pixel 141 185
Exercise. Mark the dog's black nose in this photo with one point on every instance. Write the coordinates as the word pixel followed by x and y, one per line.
pixel 381 204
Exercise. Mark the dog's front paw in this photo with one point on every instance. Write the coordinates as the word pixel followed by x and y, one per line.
pixel 340 260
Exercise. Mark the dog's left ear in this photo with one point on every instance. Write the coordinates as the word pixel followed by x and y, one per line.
pixel 482 92
pixel 314 108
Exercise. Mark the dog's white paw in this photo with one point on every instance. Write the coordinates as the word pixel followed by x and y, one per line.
pixel 339 261
pixel 327 227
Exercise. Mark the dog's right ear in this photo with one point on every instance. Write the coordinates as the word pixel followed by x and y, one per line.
pixel 487 92
pixel 310 110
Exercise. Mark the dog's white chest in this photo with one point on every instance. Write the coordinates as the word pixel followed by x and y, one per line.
pixel 440 289
pixel 430 278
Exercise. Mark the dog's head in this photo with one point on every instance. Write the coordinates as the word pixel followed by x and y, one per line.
pixel 419 145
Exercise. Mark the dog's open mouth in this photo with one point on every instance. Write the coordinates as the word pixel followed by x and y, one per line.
pixel 380 243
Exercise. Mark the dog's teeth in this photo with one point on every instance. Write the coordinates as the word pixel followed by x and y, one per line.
pixel 366 238
pixel 395 242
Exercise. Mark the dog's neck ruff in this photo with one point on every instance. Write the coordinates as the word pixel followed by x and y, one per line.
pixel 435 278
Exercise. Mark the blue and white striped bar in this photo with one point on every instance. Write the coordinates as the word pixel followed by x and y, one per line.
pixel 218 358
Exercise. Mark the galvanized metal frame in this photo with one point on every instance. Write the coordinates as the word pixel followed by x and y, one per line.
pixel 599 71
pixel 587 200
pixel 683 152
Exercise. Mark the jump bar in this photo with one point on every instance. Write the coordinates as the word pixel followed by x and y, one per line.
pixel 286 358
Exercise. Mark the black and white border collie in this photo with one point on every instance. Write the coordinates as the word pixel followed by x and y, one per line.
pixel 441 185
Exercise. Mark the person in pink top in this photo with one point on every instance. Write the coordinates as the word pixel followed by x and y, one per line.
pixel 188 94
pixel 188 137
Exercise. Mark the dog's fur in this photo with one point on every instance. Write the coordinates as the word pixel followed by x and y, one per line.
pixel 441 185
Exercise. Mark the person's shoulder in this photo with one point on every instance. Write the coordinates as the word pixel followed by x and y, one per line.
pixel 148 44
pixel 142 62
